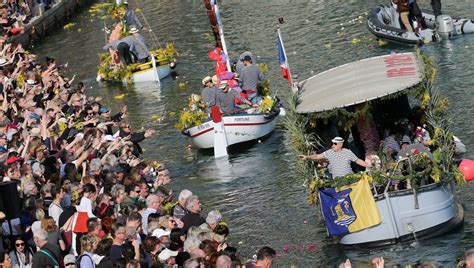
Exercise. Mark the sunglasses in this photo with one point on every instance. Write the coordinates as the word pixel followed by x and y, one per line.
pixel 334 143
pixel 138 191
pixel 20 244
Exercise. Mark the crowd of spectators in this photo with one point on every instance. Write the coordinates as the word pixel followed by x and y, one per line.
pixel 88 199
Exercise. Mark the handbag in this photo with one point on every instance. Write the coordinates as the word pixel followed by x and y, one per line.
pixel 66 234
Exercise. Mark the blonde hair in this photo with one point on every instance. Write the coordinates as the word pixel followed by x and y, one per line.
pixel 48 224
pixel 87 242
pixel 163 221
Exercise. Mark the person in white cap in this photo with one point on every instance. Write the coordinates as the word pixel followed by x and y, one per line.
pixel 339 158
pixel 167 257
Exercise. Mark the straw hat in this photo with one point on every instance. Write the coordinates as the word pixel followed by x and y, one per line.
pixel 133 29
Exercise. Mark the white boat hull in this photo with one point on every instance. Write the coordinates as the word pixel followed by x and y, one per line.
pixel 239 128
pixel 437 213
pixel 150 76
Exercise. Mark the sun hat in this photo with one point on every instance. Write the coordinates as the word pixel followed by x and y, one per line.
pixel 206 79
pixel 69 259
pixel 166 254
pixel 338 140
pixel 35 132
pixel 160 232
pixel 133 29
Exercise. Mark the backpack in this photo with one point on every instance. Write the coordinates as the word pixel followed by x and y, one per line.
pixel 78 261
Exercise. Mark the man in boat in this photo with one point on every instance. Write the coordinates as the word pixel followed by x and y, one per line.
pixel 138 45
pixel 122 47
pixel 404 9
pixel 250 76
pixel 208 93
pixel 130 17
pixel 225 99
pixel 339 158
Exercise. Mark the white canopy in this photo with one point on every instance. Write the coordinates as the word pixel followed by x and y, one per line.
pixel 359 81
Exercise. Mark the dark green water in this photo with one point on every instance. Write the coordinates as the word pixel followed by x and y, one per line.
pixel 255 189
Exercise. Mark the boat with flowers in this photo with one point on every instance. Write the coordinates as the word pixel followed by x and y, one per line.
pixel 215 129
pixel 162 59
pixel 410 191
pixel 245 126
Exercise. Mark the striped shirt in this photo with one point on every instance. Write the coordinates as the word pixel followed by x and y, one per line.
pixel 145 215
pixel 340 162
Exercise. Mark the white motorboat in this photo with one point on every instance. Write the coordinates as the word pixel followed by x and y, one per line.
pixel 384 23
pixel 238 128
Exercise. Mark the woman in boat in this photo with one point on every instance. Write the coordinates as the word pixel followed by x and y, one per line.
pixel 339 158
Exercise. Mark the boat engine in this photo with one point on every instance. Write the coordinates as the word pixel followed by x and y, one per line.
pixel 445 26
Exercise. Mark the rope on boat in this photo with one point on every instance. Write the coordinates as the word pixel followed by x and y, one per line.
pixel 154 38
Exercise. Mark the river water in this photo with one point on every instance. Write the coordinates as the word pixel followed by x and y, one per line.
pixel 256 189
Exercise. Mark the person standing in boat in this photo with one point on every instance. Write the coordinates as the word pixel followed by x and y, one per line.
pixel 138 45
pixel 404 10
pixel 208 93
pixel 339 158
pixel 250 76
pixel 122 48
pixel 436 5
pixel 131 17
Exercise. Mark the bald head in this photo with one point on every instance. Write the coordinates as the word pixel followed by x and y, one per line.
pixel 223 261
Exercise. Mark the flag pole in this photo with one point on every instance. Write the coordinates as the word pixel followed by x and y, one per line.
pixel 293 88
pixel 221 31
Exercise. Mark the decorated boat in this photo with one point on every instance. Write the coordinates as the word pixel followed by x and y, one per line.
pixel 384 23
pixel 216 130
pixel 239 128
pixel 403 196
pixel 162 59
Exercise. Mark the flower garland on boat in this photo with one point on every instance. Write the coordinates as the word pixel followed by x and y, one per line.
pixel 441 167
pixel 192 115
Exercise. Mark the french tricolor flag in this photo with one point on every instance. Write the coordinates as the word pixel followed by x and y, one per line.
pixel 285 69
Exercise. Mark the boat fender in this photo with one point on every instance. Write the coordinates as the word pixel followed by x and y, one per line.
pixel 466 167
pixel 173 64
pixel 462 26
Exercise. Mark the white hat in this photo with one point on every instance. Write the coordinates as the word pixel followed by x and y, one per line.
pixel 30 82
pixel 133 29
pixel 160 232
pixel 338 140
pixel 206 79
pixel 166 254
pixel 3 61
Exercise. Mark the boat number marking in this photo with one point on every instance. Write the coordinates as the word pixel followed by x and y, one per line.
pixel 394 65
pixel 203 126
pixel 242 119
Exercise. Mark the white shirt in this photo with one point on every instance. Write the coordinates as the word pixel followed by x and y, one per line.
pixel 55 211
pixel 86 206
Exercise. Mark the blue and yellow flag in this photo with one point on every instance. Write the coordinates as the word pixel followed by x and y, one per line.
pixel 349 209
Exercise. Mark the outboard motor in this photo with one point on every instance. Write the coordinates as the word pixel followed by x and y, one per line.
pixel 445 26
